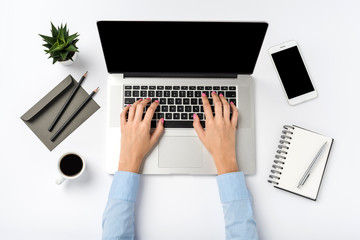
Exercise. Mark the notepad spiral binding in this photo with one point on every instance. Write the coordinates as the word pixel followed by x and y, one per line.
pixel 280 157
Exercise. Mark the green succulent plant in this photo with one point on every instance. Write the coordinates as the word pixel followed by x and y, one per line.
pixel 61 46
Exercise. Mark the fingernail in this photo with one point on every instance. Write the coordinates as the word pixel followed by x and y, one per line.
pixel 232 103
pixel 221 95
pixel 140 99
pixel 128 105
pixel 148 98
pixel 194 116
pixel 156 100
pixel 203 94
pixel 162 120
pixel 213 92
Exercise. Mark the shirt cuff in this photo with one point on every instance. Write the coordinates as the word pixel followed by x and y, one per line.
pixel 124 186
pixel 232 187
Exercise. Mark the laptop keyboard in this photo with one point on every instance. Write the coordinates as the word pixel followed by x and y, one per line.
pixel 177 103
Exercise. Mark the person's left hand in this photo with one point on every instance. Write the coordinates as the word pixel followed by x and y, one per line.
pixel 136 140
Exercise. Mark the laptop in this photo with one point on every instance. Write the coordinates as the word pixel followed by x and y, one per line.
pixel 175 62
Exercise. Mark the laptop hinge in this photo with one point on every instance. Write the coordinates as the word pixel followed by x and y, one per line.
pixel 182 75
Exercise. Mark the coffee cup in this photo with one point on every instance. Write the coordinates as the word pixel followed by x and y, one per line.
pixel 70 166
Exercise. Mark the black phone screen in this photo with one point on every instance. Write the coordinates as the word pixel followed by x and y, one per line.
pixel 292 71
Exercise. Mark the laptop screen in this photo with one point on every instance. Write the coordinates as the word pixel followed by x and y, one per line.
pixel 146 48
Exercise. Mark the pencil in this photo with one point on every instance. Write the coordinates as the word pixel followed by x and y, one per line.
pixel 62 110
pixel 74 114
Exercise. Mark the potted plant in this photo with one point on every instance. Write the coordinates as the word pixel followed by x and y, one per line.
pixel 61 46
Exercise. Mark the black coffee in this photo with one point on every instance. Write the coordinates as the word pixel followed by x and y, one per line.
pixel 71 165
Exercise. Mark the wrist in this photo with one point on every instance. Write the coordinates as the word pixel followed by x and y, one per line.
pixel 129 165
pixel 226 165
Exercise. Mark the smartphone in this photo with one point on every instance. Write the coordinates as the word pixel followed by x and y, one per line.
pixel 292 72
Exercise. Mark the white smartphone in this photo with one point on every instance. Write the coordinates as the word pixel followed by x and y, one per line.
pixel 292 72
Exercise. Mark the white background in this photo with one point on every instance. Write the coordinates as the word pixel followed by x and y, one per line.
pixel 32 206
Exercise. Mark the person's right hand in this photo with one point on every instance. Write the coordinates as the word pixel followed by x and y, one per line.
pixel 219 136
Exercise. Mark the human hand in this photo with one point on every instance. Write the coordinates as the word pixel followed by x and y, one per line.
pixel 136 140
pixel 219 136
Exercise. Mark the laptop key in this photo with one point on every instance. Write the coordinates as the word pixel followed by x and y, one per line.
pixel 196 108
pixel 187 108
pixel 193 101
pixel 216 88
pixel 192 88
pixel 186 101
pixel 230 94
pixel 158 93
pixel 128 87
pixel 176 87
pixel 200 88
pixel 135 93
pixel 180 108
pixel 181 124
pixel 151 93
pixel 184 87
pixel 168 87
pixel 144 87
pixel 160 87
pixel 166 93
pixel 162 100
pixel 152 87
pixel 127 93
pixel 143 93
pixel 168 115
pixel 174 93
pixel 136 87
pixel 190 94
pixel 232 88
pixel 129 100
pixel 172 108
pixel 197 94
pixel 171 101
pixel 160 115
pixel 208 88
pixel 184 116
pixel 224 88
pixel 178 101
pixel 164 108
pixel 176 115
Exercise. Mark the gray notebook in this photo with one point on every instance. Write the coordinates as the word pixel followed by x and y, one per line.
pixel 39 117
pixel 296 151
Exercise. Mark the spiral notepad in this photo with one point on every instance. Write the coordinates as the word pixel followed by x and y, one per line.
pixel 295 153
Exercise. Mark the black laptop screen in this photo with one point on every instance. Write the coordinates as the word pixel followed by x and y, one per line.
pixel 181 48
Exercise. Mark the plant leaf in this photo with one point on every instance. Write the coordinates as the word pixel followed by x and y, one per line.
pixel 71 48
pixel 54 31
pixel 71 38
pixel 61 35
pixel 56 47
pixel 63 55
pixel 55 60
pixel 48 39
pixel 47 45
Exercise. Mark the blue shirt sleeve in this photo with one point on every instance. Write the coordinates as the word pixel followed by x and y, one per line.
pixel 236 201
pixel 118 218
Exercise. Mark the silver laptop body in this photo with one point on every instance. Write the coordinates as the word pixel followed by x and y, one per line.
pixel 179 150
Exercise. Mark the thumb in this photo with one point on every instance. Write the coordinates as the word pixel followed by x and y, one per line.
pixel 198 128
pixel 157 133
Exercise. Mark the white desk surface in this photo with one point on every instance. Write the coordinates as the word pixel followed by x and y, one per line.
pixel 32 206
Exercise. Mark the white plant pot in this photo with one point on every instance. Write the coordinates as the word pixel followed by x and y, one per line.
pixel 69 62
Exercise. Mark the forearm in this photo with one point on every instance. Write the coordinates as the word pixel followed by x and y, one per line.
pixel 118 218
pixel 237 207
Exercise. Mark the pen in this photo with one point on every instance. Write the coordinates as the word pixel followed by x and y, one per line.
pixel 308 170
pixel 73 115
pixel 56 119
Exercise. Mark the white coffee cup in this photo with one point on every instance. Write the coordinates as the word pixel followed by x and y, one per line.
pixel 70 166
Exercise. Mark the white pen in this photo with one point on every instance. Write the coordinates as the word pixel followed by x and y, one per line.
pixel 308 170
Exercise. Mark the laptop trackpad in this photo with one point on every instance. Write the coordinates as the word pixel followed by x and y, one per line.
pixel 180 152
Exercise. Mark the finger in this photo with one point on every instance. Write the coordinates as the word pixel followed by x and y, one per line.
pixel 123 115
pixel 133 110
pixel 157 133
pixel 226 108
pixel 150 111
pixel 235 114
pixel 140 109
pixel 197 126
pixel 218 105
pixel 207 108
